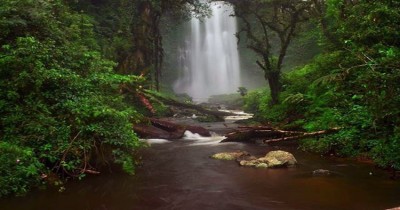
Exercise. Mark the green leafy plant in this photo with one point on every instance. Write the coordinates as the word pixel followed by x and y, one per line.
pixel 19 169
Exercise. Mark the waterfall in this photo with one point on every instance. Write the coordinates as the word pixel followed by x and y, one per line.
pixel 209 58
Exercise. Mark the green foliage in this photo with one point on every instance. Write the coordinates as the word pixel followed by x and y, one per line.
pixel 242 91
pixel 354 86
pixel 60 103
pixel 19 168
pixel 386 152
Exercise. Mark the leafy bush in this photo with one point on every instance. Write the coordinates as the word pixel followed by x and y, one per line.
pixel 352 86
pixel 61 102
pixel 19 169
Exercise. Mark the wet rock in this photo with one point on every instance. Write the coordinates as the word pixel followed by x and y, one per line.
pixel 230 155
pixel 262 165
pixel 199 130
pixel 321 172
pixel 274 159
pixel 258 163
pixel 246 158
pixel 280 158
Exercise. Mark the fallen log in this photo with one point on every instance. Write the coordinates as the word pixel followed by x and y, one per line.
pixel 173 127
pixel 166 125
pixel 171 102
pixel 152 132
pixel 302 136
pixel 239 136
pixel 256 127
pixel 269 134
pixel 163 129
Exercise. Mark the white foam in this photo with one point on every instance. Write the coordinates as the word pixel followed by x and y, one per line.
pixel 202 140
pixel 240 117
pixel 155 141
pixel 237 115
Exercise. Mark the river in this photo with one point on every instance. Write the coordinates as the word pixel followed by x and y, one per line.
pixel 180 175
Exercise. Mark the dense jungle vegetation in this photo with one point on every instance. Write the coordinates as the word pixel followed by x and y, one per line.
pixel 70 77
pixel 73 75
pixel 352 85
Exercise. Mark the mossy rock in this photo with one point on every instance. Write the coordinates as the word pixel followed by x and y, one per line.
pixel 229 155
pixel 280 158
pixel 274 159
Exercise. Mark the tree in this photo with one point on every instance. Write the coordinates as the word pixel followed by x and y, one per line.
pixel 135 31
pixel 352 85
pixel 270 26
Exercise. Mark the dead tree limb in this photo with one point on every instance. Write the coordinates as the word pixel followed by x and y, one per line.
pixel 269 134
pixel 301 136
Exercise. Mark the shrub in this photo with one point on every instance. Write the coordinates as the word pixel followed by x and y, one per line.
pixel 19 169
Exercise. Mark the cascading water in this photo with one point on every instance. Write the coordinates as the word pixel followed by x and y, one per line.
pixel 209 59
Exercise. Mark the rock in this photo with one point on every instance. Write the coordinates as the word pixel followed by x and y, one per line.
pixel 199 130
pixel 280 158
pixel 262 165
pixel 246 158
pixel 254 163
pixel 321 172
pixel 247 163
pixel 274 159
pixel 229 155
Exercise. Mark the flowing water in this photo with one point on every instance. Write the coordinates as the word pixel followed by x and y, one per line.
pixel 210 59
pixel 179 175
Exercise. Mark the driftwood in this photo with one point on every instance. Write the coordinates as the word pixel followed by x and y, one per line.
pixel 270 134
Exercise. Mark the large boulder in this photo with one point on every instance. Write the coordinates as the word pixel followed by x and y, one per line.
pixel 280 158
pixel 199 130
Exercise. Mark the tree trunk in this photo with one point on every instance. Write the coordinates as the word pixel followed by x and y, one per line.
pixel 275 86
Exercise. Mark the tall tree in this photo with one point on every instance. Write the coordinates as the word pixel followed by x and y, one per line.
pixel 270 26
pixel 131 30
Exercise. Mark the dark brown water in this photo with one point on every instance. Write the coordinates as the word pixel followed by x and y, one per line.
pixel 180 175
